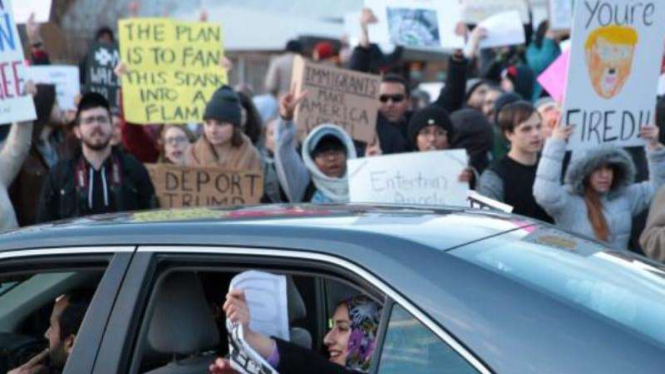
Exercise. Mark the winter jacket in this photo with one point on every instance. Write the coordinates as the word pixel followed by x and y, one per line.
pixel 13 153
pixel 540 58
pixel 626 199
pixel 652 239
pixel 301 179
pixel 474 133
pixel 61 196
pixel 296 360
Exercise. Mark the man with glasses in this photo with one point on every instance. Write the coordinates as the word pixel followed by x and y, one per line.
pixel 98 179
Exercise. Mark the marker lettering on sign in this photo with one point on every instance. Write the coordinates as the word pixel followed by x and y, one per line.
pixel 7 36
pixel 605 13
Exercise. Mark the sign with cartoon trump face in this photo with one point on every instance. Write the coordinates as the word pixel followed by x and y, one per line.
pixel 609 57
pixel 615 59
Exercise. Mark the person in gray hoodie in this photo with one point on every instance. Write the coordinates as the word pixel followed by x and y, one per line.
pixel 599 198
pixel 320 175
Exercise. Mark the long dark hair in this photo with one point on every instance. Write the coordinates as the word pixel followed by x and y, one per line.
pixel 540 33
pixel 254 123
pixel 595 213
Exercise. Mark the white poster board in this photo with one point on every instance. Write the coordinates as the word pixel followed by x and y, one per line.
pixel 24 8
pixel 503 29
pixel 422 178
pixel 560 14
pixel 65 79
pixel 15 104
pixel 613 72
pixel 428 24
pixel 475 11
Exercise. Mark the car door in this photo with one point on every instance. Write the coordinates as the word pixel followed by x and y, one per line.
pixel 32 280
pixel 404 328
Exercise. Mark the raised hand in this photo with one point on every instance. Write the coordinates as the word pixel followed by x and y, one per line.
pixel 289 102
pixel 650 135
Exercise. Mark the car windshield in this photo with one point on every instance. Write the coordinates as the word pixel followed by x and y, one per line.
pixel 627 289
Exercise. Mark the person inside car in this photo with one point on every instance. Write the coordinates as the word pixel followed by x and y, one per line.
pixel 65 321
pixel 350 342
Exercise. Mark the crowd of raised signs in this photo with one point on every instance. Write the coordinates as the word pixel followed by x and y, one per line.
pixel 251 148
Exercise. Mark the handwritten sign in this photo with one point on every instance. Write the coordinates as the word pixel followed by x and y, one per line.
pixel 24 8
pixel 613 71
pixel 342 97
pixel 476 11
pixel 174 68
pixel 561 14
pixel 99 74
pixel 419 24
pixel 180 186
pixel 65 79
pixel 424 178
pixel 15 104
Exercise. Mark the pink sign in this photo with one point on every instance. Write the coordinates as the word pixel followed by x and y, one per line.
pixel 555 77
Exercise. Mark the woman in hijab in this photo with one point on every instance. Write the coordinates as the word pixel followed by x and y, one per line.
pixel 320 176
pixel 350 342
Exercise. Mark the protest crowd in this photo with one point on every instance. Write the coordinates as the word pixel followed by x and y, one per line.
pixel 127 148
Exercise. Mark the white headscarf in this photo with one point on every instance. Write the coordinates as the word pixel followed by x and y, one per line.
pixel 336 189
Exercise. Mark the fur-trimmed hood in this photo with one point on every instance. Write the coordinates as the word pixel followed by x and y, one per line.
pixel 581 168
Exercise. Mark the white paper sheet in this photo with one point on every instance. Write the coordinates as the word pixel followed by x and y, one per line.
pixel 503 29
pixel 243 358
pixel 267 302
pixel 24 8
pixel 65 79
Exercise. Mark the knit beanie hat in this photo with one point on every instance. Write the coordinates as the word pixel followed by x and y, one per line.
pixel 428 116
pixel 224 106
pixel 472 85
pixel 502 101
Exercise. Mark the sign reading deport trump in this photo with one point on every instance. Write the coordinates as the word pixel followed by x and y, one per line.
pixel 173 69
pixel 615 63
pixel 180 186
pixel 423 178
pixel 336 96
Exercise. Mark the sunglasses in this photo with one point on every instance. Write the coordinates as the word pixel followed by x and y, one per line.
pixel 394 98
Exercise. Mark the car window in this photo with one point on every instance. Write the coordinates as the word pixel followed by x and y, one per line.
pixel 410 347
pixel 42 311
pixel 610 284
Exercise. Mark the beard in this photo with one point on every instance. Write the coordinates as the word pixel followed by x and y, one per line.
pixel 97 144
pixel 58 357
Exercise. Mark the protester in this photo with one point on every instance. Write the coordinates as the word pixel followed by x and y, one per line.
pixel 320 176
pixel 251 121
pixel 520 79
pixel 174 143
pixel 476 92
pixel 278 79
pixel 350 342
pixel 475 134
pixel 224 144
pixel 98 179
pixel 65 322
pixel 652 239
pixel 600 197
pixel 13 153
pixel 46 149
pixel 543 51
pixel 510 179
pixel 488 108
pixel 431 129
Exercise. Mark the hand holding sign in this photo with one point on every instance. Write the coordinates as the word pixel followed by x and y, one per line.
pixel 650 135
pixel 289 103
pixel 563 132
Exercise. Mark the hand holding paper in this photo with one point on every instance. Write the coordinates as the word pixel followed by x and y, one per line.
pixel 503 29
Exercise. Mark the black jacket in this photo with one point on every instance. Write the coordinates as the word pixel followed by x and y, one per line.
pixel 61 197
pixel 296 360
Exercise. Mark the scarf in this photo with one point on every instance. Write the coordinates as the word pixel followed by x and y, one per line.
pixel 364 315
pixel 242 158
pixel 335 190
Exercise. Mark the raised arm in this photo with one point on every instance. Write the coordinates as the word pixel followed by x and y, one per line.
pixel 641 194
pixel 548 191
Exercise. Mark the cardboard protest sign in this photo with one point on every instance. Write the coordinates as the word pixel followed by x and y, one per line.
pixel 476 11
pixel 423 178
pixel 174 68
pixel 65 79
pixel 24 8
pixel 15 104
pixel 342 97
pixel 99 75
pixel 553 79
pixel 420 24
pixel 560 14
pixel 180 186
pixel 613 71
pixel 503 29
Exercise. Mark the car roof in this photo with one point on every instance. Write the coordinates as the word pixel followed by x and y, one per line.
pixel 440 228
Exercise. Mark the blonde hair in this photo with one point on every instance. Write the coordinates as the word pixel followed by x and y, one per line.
pixel 613 34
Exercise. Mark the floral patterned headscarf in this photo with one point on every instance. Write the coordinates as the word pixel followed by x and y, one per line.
pixel 364 315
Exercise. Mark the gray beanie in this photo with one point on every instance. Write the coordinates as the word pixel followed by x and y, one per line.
pixel 224 106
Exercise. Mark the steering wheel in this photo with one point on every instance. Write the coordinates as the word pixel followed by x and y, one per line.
pixel 16 350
